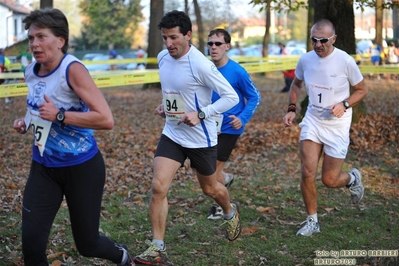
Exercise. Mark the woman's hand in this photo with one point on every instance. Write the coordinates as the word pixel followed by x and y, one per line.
pixel 19 126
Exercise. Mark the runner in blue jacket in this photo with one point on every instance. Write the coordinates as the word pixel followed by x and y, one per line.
pixel 231 123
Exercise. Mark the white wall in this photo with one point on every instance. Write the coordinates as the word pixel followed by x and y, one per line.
pixel 8 20
pixel 4 12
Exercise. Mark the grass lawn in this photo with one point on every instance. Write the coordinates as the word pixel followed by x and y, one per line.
pixel 267 169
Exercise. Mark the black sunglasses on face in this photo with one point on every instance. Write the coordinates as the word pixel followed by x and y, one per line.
pixel 321 40
pixel 216 43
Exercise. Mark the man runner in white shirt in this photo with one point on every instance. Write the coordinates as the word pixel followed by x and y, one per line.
pixel 187 79
pixel 328 73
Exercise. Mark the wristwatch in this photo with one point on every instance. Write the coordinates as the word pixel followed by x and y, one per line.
pixel 346 104
pixel 60 117
pixel 201 115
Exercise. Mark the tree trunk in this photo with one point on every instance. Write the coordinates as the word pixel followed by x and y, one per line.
pixel 304 103
pixel 46 3
pixel 379 14
pixel 201 35
pixel 309 46
pixel 395 22
pixel 155 43
pixel 266 38
pixel 341 14
pixel 186 6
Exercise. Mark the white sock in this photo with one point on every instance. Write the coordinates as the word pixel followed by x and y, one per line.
pixel 159 243
pixel 351 181
pixel 230 215
pixel 124 257
pixel 314 217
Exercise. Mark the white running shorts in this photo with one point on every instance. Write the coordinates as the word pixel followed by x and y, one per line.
pixel 332 134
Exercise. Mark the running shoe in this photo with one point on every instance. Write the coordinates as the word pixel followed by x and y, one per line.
pixel 152 256
pixel 228 180
pixel 233 225
pixel 215 212
pixel 309 228
pixel 357 188
pixel 126 258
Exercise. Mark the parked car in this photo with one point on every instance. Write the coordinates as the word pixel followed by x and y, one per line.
pixel 293 44
pixel 273 49
pixel 364 46
pixel 295 50
pixel 90 56
pixel 98 67
pixel 103 67
pixel 130 66
pixel 235 52
pixel 254 50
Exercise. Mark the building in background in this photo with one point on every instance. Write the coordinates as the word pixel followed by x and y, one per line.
pixel 365 24
pixel 12 29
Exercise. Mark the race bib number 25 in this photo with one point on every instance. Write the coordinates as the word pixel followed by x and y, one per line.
pixel 41 129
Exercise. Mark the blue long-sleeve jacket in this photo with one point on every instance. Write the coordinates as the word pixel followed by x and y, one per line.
pixel 249 96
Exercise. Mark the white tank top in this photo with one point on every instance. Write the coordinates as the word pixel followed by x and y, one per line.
pixel 54 146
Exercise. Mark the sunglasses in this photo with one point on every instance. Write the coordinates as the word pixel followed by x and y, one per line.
pixel 216 43
pixel 321 40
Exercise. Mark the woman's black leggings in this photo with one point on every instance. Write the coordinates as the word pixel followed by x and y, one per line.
pixel 82 186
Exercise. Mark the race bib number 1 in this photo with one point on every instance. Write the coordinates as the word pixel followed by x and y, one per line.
pixel 320 97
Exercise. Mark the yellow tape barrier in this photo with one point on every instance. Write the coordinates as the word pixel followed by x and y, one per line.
pixel 152 60
pixel 104 79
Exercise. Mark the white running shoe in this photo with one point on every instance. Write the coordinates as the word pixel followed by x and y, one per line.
pixel 228 180
pixel 309 228
pixel 357 188
pixel 216 212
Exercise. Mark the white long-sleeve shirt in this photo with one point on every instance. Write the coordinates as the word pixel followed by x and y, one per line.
pixel 187 85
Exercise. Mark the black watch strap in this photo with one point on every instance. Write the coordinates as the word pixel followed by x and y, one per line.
pixel 201 115
pixel 60 117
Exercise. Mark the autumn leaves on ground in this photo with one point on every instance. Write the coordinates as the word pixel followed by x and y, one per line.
pixel 267 168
